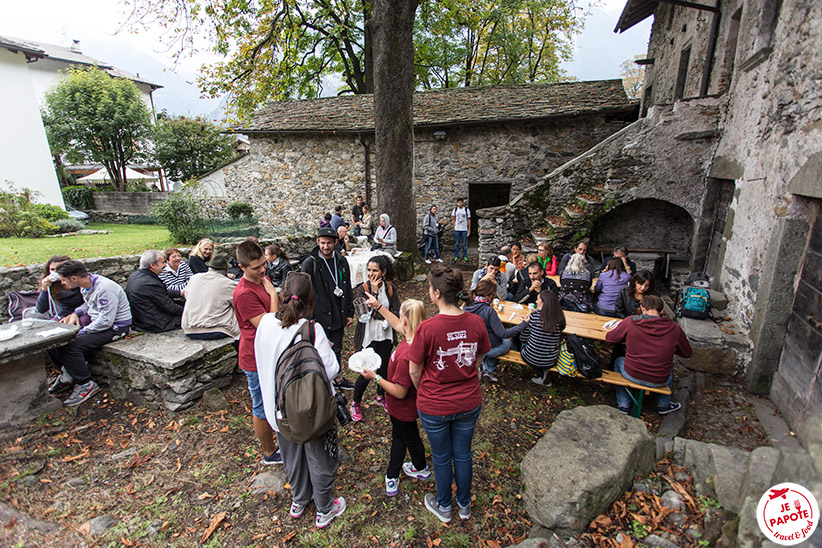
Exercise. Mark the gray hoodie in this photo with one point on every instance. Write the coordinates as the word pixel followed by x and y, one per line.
pixel 106 303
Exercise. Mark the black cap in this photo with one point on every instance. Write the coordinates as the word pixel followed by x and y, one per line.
pixel 327 231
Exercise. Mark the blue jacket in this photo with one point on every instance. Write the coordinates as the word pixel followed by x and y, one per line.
pixel 496 331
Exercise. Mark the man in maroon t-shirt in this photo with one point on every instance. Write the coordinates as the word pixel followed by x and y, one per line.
pixel 651 340
pixel 255 296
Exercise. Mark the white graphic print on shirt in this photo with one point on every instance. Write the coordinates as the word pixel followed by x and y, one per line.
pixel 466 353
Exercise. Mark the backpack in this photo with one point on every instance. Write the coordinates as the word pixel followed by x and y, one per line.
pixel 565 362
pixel 697 279
pixel 572 303
pixel 19 301
pixel 696 303
pixel 305 406
pixel 586 359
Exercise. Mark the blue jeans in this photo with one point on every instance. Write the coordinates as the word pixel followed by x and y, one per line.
pixel 490 361
pixel 663 401
pixel 460 238
pixel 432 242
pixel 450 438
pixel 257 408
pixel 605 312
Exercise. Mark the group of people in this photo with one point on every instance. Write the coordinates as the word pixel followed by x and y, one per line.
pixel 378 230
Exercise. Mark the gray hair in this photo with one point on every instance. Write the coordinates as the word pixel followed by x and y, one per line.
pixel 505 250
pixel 576 264
pixel 150 257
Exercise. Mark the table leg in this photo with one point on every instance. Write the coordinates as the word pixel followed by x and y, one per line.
pixel 24 391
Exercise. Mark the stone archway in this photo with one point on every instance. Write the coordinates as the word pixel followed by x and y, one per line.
pixel 646 223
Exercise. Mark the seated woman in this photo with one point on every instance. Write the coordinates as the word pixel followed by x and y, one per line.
pixel 575 285
pixel 56 300
pixel 200 255
pixel 541 338
pixel 629 298
pixel 547 258
pixel 500 338
pixel 386 235
pixel 277 265
pixel 612 280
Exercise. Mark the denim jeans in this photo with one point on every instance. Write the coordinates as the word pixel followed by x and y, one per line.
pixel 460 238
pixel 432 242
pixel 450 438
pixel 490 361
pixel 605 312
pixel 663 401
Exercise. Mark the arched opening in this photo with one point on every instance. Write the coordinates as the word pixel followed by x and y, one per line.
pixel 646 224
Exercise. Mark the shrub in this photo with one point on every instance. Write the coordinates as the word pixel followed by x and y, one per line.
pixel 18 217
pixel 31 225
pixel 49 212
pixel 78 196
pixel 68 225
pixel 237 210
pixel 183 216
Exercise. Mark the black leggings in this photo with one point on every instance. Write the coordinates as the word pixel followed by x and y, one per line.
pixel 383 350
pixel 405 435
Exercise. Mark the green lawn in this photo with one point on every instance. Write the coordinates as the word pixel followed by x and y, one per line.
pixel 121 240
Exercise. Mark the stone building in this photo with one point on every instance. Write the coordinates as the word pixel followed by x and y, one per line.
pixel 725 166
pixel 484 144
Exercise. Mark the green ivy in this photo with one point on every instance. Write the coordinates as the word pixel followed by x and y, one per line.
pixel 239 210
pixel 79 196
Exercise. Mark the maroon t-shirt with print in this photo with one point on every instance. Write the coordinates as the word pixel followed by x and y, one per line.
pixel 401 409
pixel 447 347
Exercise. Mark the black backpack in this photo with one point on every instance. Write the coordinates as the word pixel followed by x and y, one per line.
pixel 305 407
pixel 587 360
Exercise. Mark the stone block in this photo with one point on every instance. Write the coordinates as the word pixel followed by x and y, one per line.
pixel 749 533
pixel 758 474
pixel 673 424
pixel 794 465
pixel 728 466
pixel 602 451
pixel 718 300
pixel 694 455
pixel 716 360
pixel 811 436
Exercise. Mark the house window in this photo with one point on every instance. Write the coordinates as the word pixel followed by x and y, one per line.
pixel 768 17
pixel 730 52
pixel 647 101
pixel 682 74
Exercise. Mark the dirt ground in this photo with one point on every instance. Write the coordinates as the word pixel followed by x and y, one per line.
pixel 180 479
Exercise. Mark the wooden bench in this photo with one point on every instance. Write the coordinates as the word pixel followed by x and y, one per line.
pixel 635 391
pixel 666 252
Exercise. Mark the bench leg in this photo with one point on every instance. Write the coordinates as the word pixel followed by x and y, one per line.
pixel 636 399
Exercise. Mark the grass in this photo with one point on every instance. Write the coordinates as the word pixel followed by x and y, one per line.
pixel 121 240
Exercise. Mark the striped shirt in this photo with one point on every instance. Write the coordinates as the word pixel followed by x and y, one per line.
pixel 539 349
pixel 176 281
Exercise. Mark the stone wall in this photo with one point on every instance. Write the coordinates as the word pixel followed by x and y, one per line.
pixel 95 216
pixel 293 180
pixel 134 203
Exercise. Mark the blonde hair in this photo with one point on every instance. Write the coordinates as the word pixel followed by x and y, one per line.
pixel 198 249
pixel 532 258
pixel 414 311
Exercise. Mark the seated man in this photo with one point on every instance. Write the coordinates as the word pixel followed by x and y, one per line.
pixel 105 302
pixel 520 277
pixel 621 253
pixel 151 306
pixel 528 292
pixel 175 274
pixel 209 308
pixel 506 260
pixel 343 244
pixel 651 341
pixel 491 271
pixel 582 249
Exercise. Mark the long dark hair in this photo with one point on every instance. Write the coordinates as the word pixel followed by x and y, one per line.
pixel 384 264
pixel 552 316
pixel 640 277
pixel 55 287
pixel 298 298
pixel 277 251
pixel 448 281
pixel 485 288
pixel 615 267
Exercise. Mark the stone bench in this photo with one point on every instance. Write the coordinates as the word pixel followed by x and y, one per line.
pixel 715 351
pixel 165 368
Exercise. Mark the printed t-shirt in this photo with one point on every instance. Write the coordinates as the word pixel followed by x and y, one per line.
pixel 461 216
pixel 250 300
pixel 401 409
pixel 447 347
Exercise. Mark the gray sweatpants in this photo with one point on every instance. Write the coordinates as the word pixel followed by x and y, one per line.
pixel 311 468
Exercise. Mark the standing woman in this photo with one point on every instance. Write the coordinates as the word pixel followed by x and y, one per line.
pixel 200 255
pixel 277 266
pixel 367 224
pixel 431 231
pixel 376 333
pixel 444 366
pixel 311 467
pixel 541 338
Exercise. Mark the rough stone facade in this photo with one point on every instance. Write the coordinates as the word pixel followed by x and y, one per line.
pixel 134 203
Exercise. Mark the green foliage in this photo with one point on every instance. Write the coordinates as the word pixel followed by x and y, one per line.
pixel 238 210
pixel 182 215
pixel 78 196
pixel 19 218
pixel 637 530
pixel 93 117
pixel 633 77
pixel 189 147
pixel 707 502
pixel 49 212
pixel 68 225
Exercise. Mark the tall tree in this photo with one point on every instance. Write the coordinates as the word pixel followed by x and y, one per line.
pixel 633 76
pixel 393 27
pixel 188 147
pixel 91 116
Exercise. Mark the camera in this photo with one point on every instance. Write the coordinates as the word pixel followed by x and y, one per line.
pixel 53 277
pixel 343 416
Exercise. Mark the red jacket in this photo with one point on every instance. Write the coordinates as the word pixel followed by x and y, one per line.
pixel 651 342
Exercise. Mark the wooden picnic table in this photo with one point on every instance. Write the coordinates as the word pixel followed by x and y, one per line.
pixel 667 252
pixel 578 323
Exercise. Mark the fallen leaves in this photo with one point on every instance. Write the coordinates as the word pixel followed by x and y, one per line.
pixel 83 454
pixel 215 522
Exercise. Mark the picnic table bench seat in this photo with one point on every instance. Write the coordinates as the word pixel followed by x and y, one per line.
pixel 635 391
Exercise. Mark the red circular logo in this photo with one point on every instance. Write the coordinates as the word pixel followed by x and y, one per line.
pixel 787 514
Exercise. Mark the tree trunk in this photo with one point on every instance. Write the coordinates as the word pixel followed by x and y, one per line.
pixel 368 48
pixel 393 24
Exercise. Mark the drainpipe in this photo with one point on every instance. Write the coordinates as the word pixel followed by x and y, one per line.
pixel 367 162
pixel 709 59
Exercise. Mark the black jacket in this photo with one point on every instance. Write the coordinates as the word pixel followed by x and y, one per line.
pixel 277 271
pixel 330 311
pixel 196 264
pixel 526 296
pixel 152 309
pixel 393 306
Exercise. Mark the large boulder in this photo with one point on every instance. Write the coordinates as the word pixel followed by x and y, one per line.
pixel 586 461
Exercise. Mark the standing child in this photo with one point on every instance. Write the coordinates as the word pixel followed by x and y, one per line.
pixel 401 398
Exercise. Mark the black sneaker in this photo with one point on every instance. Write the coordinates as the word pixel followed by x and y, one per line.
pixel 275 458
pixel 58 386
pixel 343 384
pixel 673 406
pixel 81 393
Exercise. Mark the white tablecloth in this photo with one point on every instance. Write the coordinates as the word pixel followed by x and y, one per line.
pixel 358 262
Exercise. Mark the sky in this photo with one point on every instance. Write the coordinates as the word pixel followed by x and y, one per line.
pixel 95 24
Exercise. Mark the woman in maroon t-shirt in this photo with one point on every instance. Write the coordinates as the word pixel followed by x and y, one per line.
pixel 443 362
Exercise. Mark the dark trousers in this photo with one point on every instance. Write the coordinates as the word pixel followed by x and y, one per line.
pixel 405 435
pixel 72 357
pixel 383 350
pixel 335 336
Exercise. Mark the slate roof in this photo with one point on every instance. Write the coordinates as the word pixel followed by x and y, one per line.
pixel 634 12
pixel 444 107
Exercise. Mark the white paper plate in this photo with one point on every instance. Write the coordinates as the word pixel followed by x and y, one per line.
pixel 364 359
pixel 8 334
pixel 607 326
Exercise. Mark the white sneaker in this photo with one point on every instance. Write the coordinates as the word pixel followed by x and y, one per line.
pixel 323 520
pixel 427 261
pixel 439 260
pixel 541 381
pixel 464 513
pixel 412 472
pixel 392 486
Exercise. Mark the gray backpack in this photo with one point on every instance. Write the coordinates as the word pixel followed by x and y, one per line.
pixel 305 407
